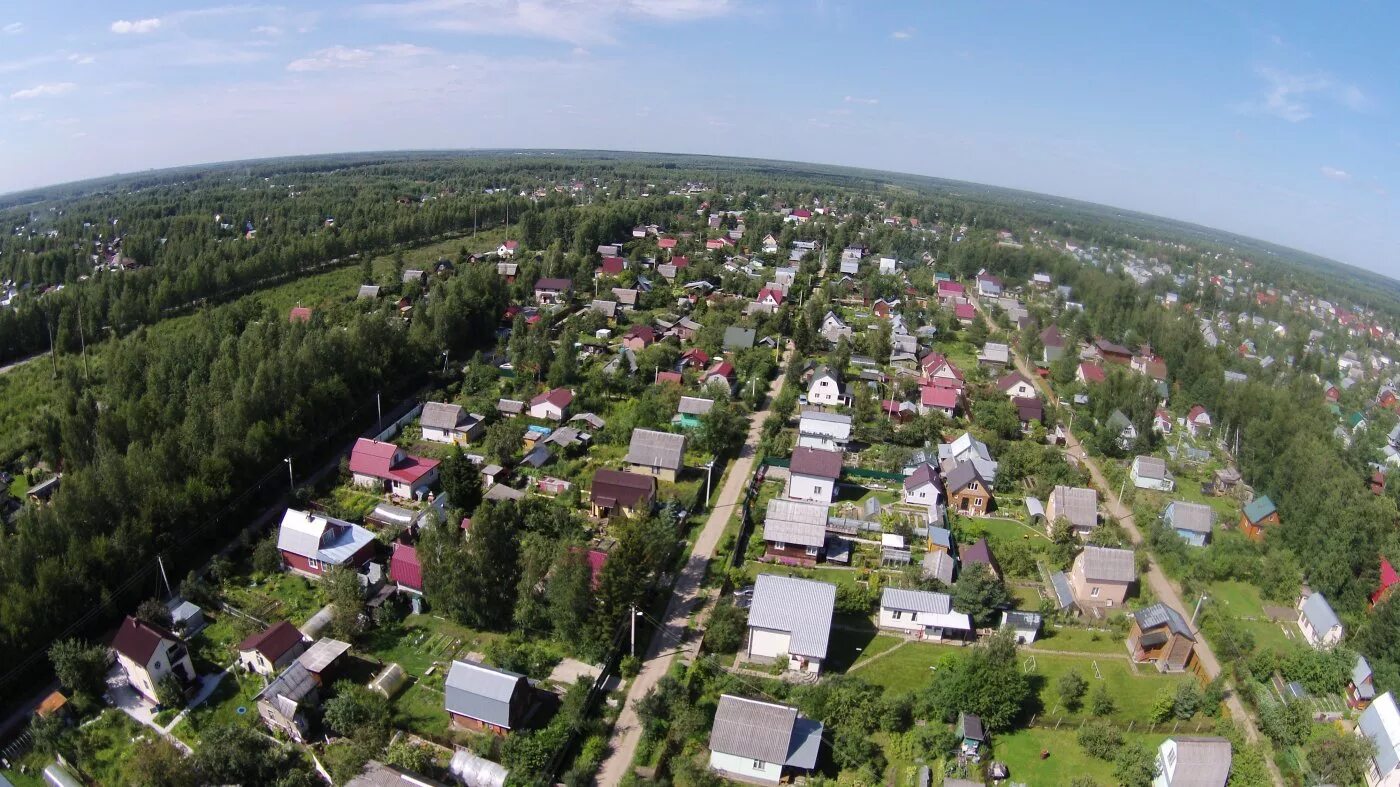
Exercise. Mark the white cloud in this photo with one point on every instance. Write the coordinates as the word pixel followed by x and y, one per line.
pixel 81 60
pixel 13 28
pixel 39 91
pixel 1332 173
pixel 138 27
pixel 903 35
pixel 1289 96
pixel 859 100
pixel 338 57
pixel 268 30
pixel 577 22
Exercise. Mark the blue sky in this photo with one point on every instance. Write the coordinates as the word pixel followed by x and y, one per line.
pixel 1275 120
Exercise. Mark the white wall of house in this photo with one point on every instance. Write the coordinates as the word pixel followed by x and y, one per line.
pixel 810 488
pixel 436 435
pixel 1160 484
pixel 1021 389
pixel 361 479
pixel 1319 639
pixel 824 442
pixel 255 661
pixel 746 768
pixel 934 626
pixel 547 411
pixel 766 643
pixel 146 677
pixel 1166 764
pixel 824 391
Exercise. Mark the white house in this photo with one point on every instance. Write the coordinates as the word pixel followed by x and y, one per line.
pixel 147 654
pixel 825 388
pixel 1150 472
pixel 269 651
pixel 922 614
pixel 812 474
pixel 1191 761
pixel 551 405
pixel 758 742
pixel 1381 723
pixel 827 431
pixel 1024 626
pixel 449 423
pixel 924 487
pixel 1321 626
pixel 1016 386
pixel 791 618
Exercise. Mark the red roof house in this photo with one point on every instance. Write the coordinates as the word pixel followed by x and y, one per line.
pixel 300 314
pixel 551 405
pixel 964 312
pixel 613 266
pixel 266 652
pixel 1090 373
pixel 666 243
pixel 1389 579
pixel 389 468
pixel 405 570
pixel 934 397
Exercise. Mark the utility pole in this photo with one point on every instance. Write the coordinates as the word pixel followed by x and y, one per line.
pixel 634 630
pixel 291 479
pixel 379 406
pixel 83 340
pixel 444 361
pixel 163 576
pixel 1198 609
pixel 52 355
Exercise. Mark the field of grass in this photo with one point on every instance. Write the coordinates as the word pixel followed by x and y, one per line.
pixel 1080 641
pixel 1021 750
pixel 236 690
pixel 999 529
pixel 282 596
pixel 1242 601
pixel 25 393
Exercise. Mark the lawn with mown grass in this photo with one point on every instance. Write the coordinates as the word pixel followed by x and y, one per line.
pixel 999 530
pixel 1080 640
pixel 280 596
pixel 1020 750
pixel 237 690
pixel 1242 601
pixel 420 641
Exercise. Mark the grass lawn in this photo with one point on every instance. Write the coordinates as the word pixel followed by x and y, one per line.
pixel 850 638
pixel 1021 750
pixel 282 596
pixel 420 708
pixel 906 669
pixel 1242 601
pixel 970 529
pixel 1080 640
pixel 348 502
pixel 836 576
pixel 236 690
pixel 1026 597
pixel 214 647
pixel 421 641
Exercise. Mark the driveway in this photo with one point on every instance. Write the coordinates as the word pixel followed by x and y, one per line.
pixel 121 696
pixel 627 731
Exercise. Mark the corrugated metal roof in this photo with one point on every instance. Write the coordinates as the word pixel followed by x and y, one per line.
pixel 1201 762
pixel 1194 517
pixel 938 565
pixel 1105 563
pixel 795 522
pixel 1381 723
pixel 481 692
pixel 916 601
pixel 1159 615
pixel 322 653
pixel 1319 613
pixel 650 448
pixel 752 729
pixel 1077 504
pixel 801 607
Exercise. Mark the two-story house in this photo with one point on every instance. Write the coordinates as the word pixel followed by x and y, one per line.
pixel 148 654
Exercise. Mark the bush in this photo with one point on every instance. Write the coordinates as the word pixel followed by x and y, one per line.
pixel 725 632
pixel 1101 703
pixel 1100 739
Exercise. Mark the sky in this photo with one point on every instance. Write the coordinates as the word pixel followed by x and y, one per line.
pixel 1276 120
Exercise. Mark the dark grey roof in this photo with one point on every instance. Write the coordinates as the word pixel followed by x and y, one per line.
pixel 1195 517
pixel 1077 504
pixel 1064 596
pixel 483 693
pixel 765 731
pixel 1361 679
pixel 1015 618
pixel 657 449
pixel 737 338
pixel 694 405
pixel 801 607
pixel 795 522
pixel 1160 614
pixel 938 565
pixel 961 475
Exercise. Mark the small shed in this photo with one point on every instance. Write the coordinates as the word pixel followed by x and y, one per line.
pixel 389 680
pixel 971 732
pixel 186 618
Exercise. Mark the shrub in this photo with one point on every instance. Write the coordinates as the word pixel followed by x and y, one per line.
pixel 1100 739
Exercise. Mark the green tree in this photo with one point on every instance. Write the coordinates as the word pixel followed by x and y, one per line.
pixel 1163 705
pixel 153 611
pixel 340 587
pixel 80 668
pixel 267 558
pixel 1100 738
pixel 235 754
pixel 461 480
pixel 1101 701
pixel 366 269
pixel 570 595
pixel 985 681
pixel 722 429
pixel 502 441
pixel 1135 765
pixel 726 629
pixel 357 712
pixel 1340 759
pixel 491 567
pixel 1071 687
pixel 981 594
pixel 50 734
pixel 563 370
pixel 170 693
pixel 157 763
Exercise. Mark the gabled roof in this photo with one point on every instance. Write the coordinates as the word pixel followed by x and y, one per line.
pixel 1091 372
pixel 556 285
pixel 980 552
pixel 694 405
pixel 1151 467
pixel 938 564
pixel 801 607
pixel 1258 509
pixel 137 640
pixel 1201 761
pixel 795 522
pixel 961 475
pixel 1105 564
pixel 916 601
pixel 386 461
pixel 483 693
pixel 440 415
pixel 1009 381
pixel 404 568
pixel 1194 517
pixel 1077 504
pixel 939 397
pixel 274 641
pixel 1381 723
pixel 1319 613
pixel 766 732
pixel 922 475
pixel 738 338
pixel 1159 615
pixel 1361 679
pixel 317 537
pixel 1050 337
pixel 656 449
pixel 322 653
pixel 559 397
pixel 816 462
pixel 614 487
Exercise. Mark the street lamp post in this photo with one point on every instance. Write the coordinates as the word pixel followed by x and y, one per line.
pixel 444 361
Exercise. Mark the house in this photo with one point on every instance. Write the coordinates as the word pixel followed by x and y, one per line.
pixel 1321 626
pixel 690 410
pixel 1388 580
pixel 1119 425
pixel 1078 505
pixel 660 454
pixel 450 423
pixel 1016 386
pixel 1381 723
pixel 639 337
pixel 791 617
pixel 1361 687
pixel 404 569
pixel 1190 761
pixel 1162 422
pixel 1089 372
pixel 737 338
pixel 1052 345
pixel 995 354
pixel 769 299
pixel 951 291
pixel 974 737
pixel 551 405
pixel 884 308
pixel 794 532
pixel 824 388
pixel 964 313
pixel 1159 634
pixel 148 654
pixel 485 699
pixel 1029 411
pixel 988 285
pixel 939 566
pixel 1191 521
pixel 967 448
pixel 1111 352
pixel 553 292
pixel 508 249
pixel 922 614
pixel 1258 514
pixel 695 357
pixel 933 398
pixel 311 543
pixel 1150 472
pixel 721 373
pixel 827 431
pixel 1198 421
pixel 387 468
pixel 980 553
pixel 614 492
pixel 606 308
pixel 833 328
pixel 762 742
pixel 269 651
pixel 812 474
pixel 1025 626
pixel 612 266
pixel 967 492
pixel 924 487
pixel 625 297
pixel 283 702
pixel 299 314
pixel 510 408
pixel 1101 576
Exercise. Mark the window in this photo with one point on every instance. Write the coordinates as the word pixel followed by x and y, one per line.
pixel 913 616
pixel 811 551
pixel 1094 592
pixel 817 490
pixel 780 545
pixel 312 562
pixel 897 614
pixel 759 765
pixel 156 665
